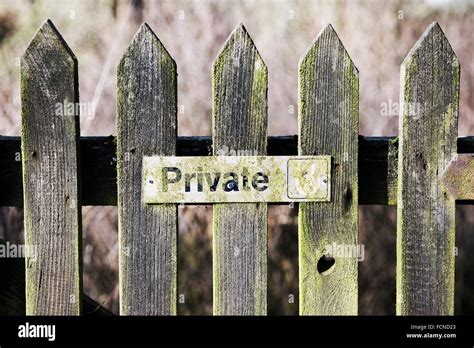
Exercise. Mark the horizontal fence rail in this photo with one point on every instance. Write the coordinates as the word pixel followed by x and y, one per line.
pixel 378 161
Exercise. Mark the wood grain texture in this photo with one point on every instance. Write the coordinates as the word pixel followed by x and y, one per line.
pixel 329 125
pixel 378 163
pixel 428 132
pixel 50 147
pixel 240 83
pixel 147 126
pixel 458 177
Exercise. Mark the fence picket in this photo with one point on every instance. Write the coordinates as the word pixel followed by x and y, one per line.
pixel 428 133
pixel 240 83
pixel 329 125
pixel 146 126
pixel 50 157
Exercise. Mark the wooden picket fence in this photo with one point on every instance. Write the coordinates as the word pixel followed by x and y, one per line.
pixel 62 172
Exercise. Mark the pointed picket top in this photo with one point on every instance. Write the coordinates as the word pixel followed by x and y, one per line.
pixel 432 65
pixel 239 91
pixel 239 41
pixel 327 41
pixel 239 35
pixel 144 39
pixel 146 35
pixel 326 68
pixel 432 41
pixel 47 45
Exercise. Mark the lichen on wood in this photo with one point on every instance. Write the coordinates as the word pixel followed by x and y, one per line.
pixel 329 125
pixel 146 126
pixel 426 211
pixel 239 90
pixel 51 179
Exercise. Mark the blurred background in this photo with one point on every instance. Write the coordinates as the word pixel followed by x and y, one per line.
pixel 377 35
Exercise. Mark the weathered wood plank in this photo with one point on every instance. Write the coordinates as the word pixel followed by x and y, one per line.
pixel 50 144
pixel 426 211
pixel 378 161
pixel 239 84
pixel 146 126
pixel 329 125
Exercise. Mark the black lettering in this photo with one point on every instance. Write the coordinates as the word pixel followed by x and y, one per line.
pixel 233 184
pixel 212 185
pixel 187 181
pixel 258 179
pixel 199 179
pixel 245 179
pixel 165 179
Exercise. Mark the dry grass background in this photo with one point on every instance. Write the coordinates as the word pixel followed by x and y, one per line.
pixel 377 34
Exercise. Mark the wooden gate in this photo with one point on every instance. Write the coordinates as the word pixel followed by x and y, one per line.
pixel 420 171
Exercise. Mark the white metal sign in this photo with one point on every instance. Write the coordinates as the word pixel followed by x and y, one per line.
pixel 226 179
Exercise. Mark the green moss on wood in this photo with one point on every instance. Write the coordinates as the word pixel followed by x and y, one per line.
pixel 328 125
pixel 239 91
pixel 146 125
pixel 426 212
pixel 51 183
